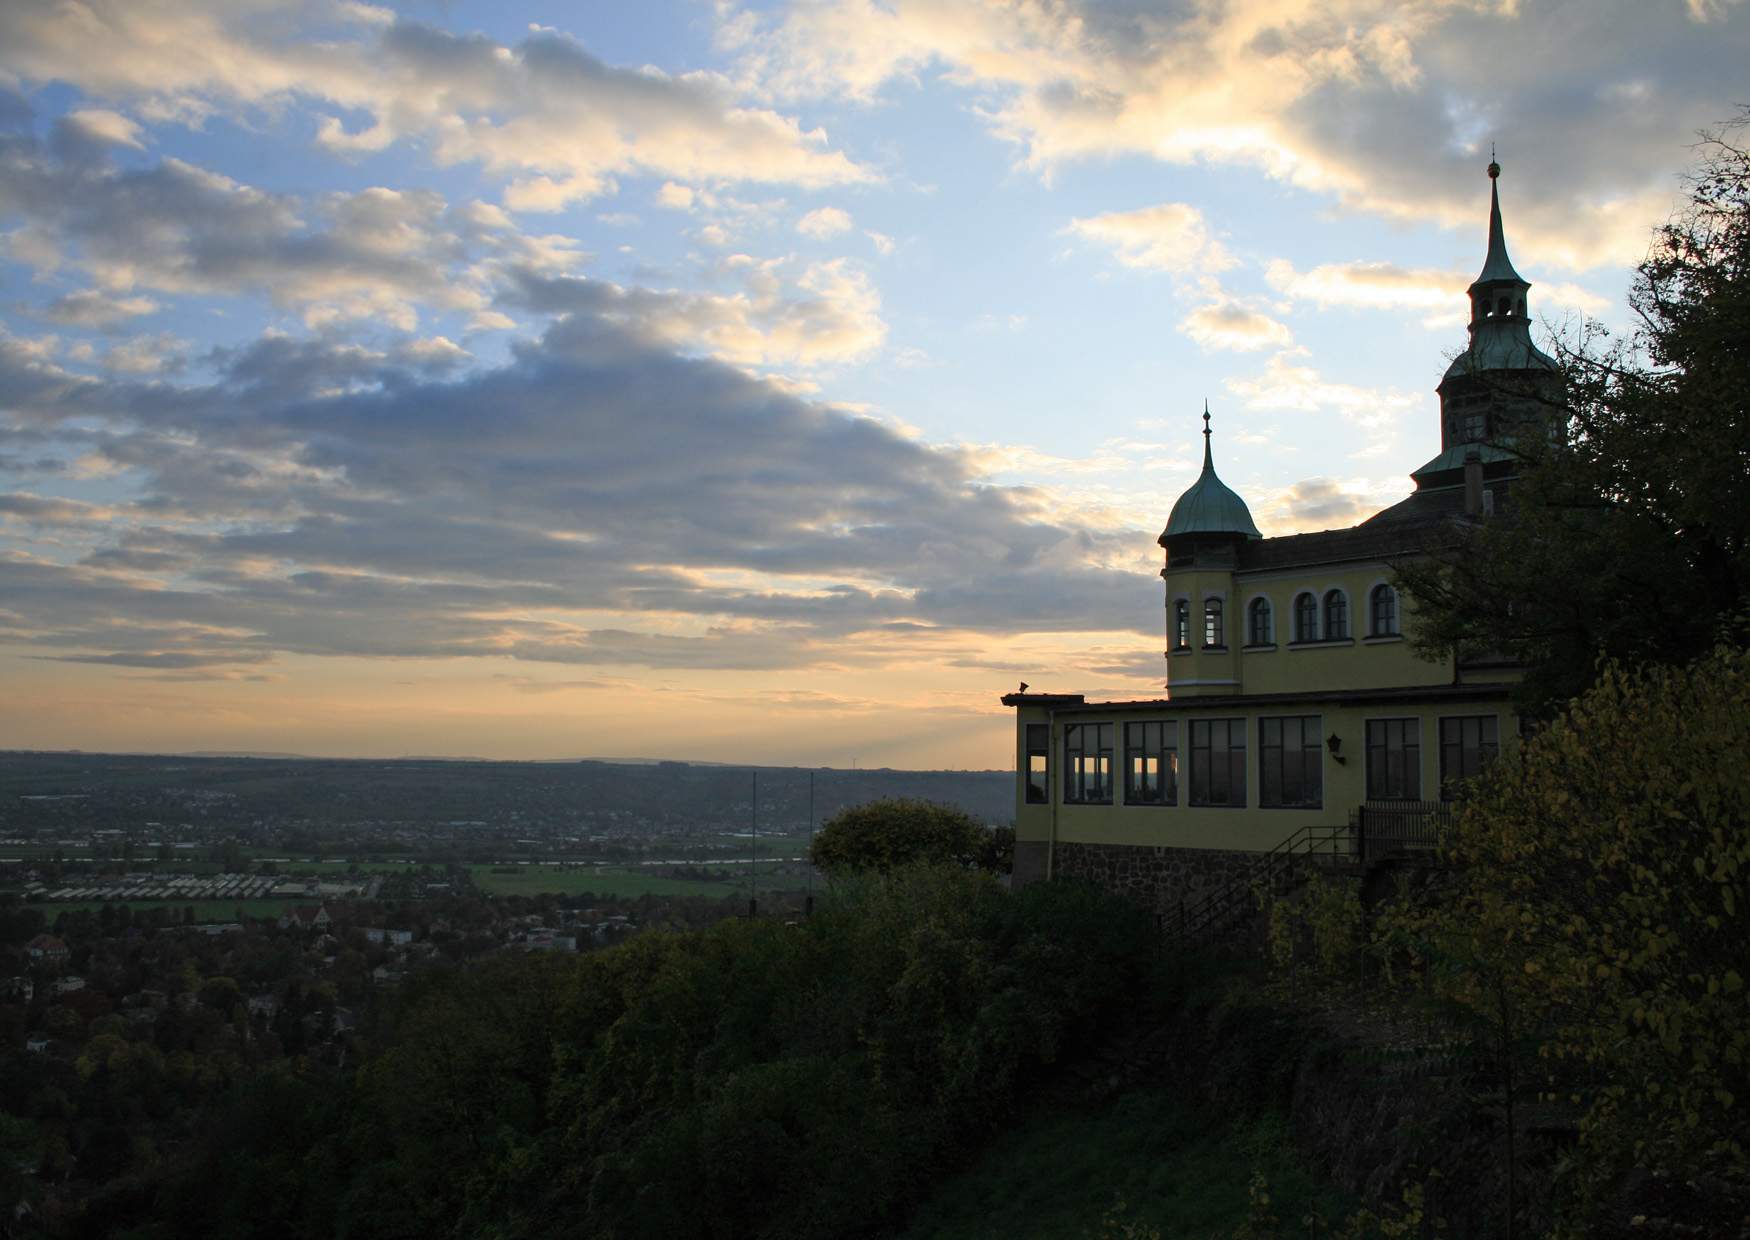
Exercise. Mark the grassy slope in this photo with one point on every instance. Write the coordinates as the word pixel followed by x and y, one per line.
pixel 1176 1167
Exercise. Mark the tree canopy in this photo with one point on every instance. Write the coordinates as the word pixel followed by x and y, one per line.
pixel 900 831
pixel 1628 534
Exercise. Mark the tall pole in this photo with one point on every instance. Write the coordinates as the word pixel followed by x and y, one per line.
pixel 753 859
pixel 811 832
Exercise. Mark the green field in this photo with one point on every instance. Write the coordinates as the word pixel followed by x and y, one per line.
pixel 621 882
pixel 343 867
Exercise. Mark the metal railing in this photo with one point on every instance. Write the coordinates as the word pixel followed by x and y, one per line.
pixel 1382 828
pixel 1375 830
pixel 1276 871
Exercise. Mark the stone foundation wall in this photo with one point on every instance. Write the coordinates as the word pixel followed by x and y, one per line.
pixel 1029 863
pixel 1156 878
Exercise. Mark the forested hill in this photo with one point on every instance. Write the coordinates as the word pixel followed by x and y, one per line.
pixel 89 787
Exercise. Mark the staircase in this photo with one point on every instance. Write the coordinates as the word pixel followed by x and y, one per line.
pixel 1378 832
pixel 1280 870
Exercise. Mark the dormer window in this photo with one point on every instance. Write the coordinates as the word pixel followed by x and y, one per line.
pixel 1306 618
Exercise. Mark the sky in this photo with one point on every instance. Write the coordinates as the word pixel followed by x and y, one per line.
pixel 741 383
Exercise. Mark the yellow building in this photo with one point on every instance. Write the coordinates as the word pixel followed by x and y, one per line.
pixel 1293 699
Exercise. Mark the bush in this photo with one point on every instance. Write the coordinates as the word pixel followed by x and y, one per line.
pixel 1596 914
pixel 900 831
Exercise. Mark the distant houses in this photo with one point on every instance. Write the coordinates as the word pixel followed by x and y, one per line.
pixel 305 917
pixel 47 949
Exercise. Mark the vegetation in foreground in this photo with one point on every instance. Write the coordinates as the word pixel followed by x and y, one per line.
pixel 1583 955
pixel 750 1079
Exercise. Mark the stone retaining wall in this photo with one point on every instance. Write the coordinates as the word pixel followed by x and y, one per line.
pixel 1156 878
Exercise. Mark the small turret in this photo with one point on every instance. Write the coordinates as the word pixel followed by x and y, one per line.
pixel 1208 526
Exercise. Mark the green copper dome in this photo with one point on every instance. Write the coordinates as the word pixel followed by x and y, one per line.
pixel 1209 506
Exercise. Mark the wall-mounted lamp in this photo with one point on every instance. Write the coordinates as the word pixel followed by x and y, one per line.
pixel 1334 743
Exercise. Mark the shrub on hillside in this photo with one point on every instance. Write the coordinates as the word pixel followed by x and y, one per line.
pixel 899 831
pixel 1597 914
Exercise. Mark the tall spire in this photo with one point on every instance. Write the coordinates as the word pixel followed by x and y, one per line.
pixel 1208 459
pixel 1497 266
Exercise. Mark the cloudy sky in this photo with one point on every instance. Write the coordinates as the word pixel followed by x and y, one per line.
pixel 739 383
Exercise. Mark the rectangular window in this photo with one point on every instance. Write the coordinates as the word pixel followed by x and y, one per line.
pixel 1151 763
pixel 1394 759
pixel 1087 763
pixel 1467 745
pixel 1218 762
pixel 1290 763
pixel 1038 764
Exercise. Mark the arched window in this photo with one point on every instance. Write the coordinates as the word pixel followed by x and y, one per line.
pixel 1383 608
pixel 1522 307
pixel 1336 616
pixel 1501 306
pixel 1306 618
pixel 1258 623
pixel 1212 622
pixel 1181 623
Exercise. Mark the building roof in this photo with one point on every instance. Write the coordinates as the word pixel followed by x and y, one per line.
pixel 1408 527
pixel 1209 506
pixel 1399 695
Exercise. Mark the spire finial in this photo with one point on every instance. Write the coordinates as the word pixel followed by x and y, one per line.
pixel 1208 460
pixel 1497 266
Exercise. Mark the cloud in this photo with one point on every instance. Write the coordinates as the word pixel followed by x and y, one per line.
pixel 824 222
pixel 1171 236
pixel 163 353
pixel 545 115
pixel 784 312
pixel 1385 106
pixel 102 126
pixel 1370 285
pixel 1287 383
pixel 675 197
pixel 95 308
pixel 1225 325
pixel 1325 503
pixel 595 499
pixel 377 254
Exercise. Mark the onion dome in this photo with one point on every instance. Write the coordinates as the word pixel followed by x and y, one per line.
pixel 1209 506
